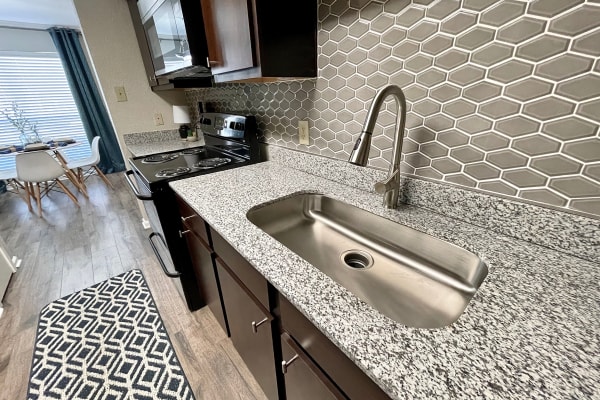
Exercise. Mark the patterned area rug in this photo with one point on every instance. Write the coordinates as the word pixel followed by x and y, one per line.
pixel 106 342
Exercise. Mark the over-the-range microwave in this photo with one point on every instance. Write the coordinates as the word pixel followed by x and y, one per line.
pixel 174 31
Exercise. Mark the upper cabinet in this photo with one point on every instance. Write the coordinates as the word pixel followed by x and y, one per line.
pixel 261 40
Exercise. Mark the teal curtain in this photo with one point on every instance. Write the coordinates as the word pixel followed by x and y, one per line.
pixel 92 111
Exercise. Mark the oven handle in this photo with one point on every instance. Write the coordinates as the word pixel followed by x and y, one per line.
pixel 134 188
pixel 160 260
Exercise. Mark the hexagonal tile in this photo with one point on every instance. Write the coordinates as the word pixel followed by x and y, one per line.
pixel 431 77
pixel 366 68
pixel 428 172
pixel 356 81
pixel 380 52
pixel 422 30
pixel 548 108
pixel 409 146
pixel 452 138
pixel 482 91
pixel 347 70
pixel 502 13
pixel 521 30
pixel 499 108
pixel 591 109
pixel 402 78
pixel 563 66
pixel 536 145
pixel 461 179
pixel 491 54
pixel 395 6
pixel 528 89
pixel 497 186
pixel 577 21
pixel 459 108
pixel 510 71
pixel 357 29
pixel 446 165
pixel 506 159
pixel 436 44
pixel 439 122
pixel 381 142
pixel 405 49
pixel 426 108
pixel 482 170
pixel 368 40
pixel 466 75
pixel 459 22
pixel 588 44
pixel 414 93
pixel 474 124
pixel 550 8
pixel 575 186
pixel 393 36
pixel 442 9
pixel 356 56
pixel 382 23
pixel 556 164
pixel 517 126
pixel 365 93
pixel 524 177
pixel 475 38
pixel 489 141
pixel 451 59
pixel 478 5
pixel 591 206
pixel 445 92
pixel 410 16
pixel 421 135
pixel 569 128
pixel 417 160
pixel 433 150
pixel 544 196
pixel 587 150
pixel 581 88
pixel 467 154
pixel 371 11
pixel 418 63
pixel 542 48
pixel 413 120
pixel 592 171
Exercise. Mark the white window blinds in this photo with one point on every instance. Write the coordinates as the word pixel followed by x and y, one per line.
pixel 37 82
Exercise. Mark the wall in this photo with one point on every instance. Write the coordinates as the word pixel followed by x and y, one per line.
pixel 503 96
pixel 112 44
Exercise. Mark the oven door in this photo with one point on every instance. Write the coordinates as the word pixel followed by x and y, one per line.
pixel 159 242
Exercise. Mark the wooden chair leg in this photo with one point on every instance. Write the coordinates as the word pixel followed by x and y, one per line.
pixel 104 178
pixel 38 195
pixel 67 191
pixel 28 194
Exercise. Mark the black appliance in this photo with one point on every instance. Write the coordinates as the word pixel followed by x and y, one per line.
pixel 175 37
pixel 230 142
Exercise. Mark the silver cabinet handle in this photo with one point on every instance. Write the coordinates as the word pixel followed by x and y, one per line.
pixel 183 233
pixel 255 324
pixel 210 63
pixel 286 364
pixel 183 219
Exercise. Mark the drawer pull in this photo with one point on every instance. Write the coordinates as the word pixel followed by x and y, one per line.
pixel 183 219
pixel 183 233
pixel 286 364
pixel 255 324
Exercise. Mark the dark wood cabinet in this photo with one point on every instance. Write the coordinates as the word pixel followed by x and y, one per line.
pixel 261 40
pixel 250 328
pixel 303 378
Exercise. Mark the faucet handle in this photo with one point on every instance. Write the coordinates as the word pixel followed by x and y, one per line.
pixel 386 185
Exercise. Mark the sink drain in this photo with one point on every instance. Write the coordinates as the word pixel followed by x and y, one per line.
pixel 357 259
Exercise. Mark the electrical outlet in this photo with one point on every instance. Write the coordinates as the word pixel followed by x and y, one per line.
pixel 158 119
pixel 303 132
pixel 120 92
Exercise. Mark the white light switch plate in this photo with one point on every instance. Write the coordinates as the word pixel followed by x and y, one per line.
pixel 158 119
pixel 120 92
pixel 303 132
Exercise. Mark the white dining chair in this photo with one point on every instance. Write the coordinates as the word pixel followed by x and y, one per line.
pixel 89 166
pixel 40 167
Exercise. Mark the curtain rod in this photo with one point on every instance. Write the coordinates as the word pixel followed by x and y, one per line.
pixel 38 29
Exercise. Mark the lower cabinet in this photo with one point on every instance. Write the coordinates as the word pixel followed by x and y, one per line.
pixel 250 329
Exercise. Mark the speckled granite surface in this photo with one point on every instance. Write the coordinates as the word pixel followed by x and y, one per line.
pixel 574 234
pixel 146 143
pixel 532 331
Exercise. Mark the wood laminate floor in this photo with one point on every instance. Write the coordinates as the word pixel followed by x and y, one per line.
pixel 71 248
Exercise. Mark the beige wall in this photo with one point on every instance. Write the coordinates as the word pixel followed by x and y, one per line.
pixel 110 39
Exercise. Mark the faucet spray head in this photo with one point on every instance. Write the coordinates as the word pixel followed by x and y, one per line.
pixel 360 152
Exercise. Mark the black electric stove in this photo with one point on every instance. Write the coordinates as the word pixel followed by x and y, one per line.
pixel 230 142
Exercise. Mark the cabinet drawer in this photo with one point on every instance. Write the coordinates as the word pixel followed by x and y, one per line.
pixel 347 376
pixel 253 280
pixel 250 329
pixel 192 221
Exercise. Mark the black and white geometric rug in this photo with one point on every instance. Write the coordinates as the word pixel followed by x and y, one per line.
pixel 106 342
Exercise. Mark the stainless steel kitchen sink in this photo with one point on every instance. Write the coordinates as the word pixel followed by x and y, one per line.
pixel 412 277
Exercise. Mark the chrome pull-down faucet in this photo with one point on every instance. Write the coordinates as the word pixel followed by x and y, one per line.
pixel 390 187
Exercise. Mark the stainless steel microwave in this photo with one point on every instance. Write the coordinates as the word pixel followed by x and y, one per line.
pixel 174 32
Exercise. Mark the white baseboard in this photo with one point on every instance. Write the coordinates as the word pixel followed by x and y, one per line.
pixel 145 223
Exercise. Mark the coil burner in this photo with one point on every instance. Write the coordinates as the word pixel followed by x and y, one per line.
pixel 209 163
pixel 171 172
pixel 159 158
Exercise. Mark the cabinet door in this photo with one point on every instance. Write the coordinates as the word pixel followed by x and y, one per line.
pixel 208 282
pixel 250 329
pixel 303 378
pixel 229 35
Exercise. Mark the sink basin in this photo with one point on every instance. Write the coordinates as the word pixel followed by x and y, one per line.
pixel 409 276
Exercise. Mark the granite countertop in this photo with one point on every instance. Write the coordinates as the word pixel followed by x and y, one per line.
pixel 532 330
pixel 163 145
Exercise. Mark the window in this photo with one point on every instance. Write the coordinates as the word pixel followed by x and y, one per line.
pixel 37 82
